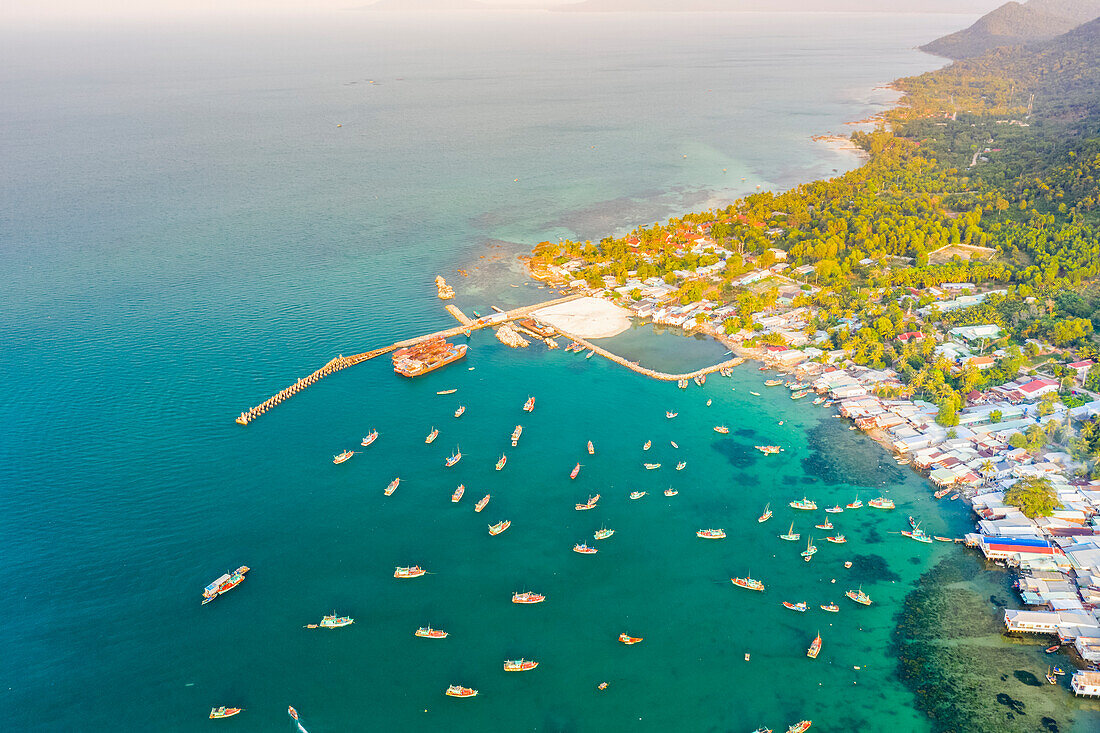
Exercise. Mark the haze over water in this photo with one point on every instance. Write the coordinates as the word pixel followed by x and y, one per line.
pixel 185 229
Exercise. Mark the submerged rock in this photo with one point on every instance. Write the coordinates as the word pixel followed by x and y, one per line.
pixel 952 655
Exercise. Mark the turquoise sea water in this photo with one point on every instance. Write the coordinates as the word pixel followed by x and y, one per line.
pixel 184 230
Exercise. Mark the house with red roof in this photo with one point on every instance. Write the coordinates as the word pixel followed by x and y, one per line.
pixel 909 336
pixel 1036 388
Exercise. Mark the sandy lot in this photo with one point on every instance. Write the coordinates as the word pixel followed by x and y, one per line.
pixel 590 318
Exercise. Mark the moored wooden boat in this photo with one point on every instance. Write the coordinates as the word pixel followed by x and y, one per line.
pixel 413 572
pixel 815 647
pixel 859 597
pixel 457 495
pixel 519 665
pixel 528 597
pixel 748 583
pixel 223 712
pixel 495 529
pixel 460 691
pixel 481 503
pixel 427 632
pixel 711 534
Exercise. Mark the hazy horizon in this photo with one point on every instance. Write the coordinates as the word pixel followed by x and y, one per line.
pixel 84 10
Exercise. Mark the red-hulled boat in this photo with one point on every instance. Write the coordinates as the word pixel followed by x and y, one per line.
pixel 528 597
pixel 426 356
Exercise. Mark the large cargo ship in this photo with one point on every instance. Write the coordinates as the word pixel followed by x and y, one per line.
pixel 426 356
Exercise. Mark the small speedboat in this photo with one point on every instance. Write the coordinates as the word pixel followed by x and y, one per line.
pixel 800 606
pixel 673 444
pixel 371 437
pixel 495 529
pixel 1052 649
pixel 628 639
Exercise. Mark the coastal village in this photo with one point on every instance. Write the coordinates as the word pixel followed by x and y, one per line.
pixel 1022 430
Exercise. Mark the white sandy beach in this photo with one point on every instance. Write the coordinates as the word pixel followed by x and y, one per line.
pixel 590 318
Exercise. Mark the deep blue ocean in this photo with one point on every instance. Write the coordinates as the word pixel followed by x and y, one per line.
pixel 193 215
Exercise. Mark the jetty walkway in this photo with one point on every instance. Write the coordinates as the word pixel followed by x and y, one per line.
pixel 664 376
pixel 343 362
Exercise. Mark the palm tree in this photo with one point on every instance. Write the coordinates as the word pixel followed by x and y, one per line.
pixel 986 469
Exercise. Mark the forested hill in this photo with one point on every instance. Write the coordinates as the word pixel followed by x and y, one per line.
pixel 1016 24
pixel 1063 73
